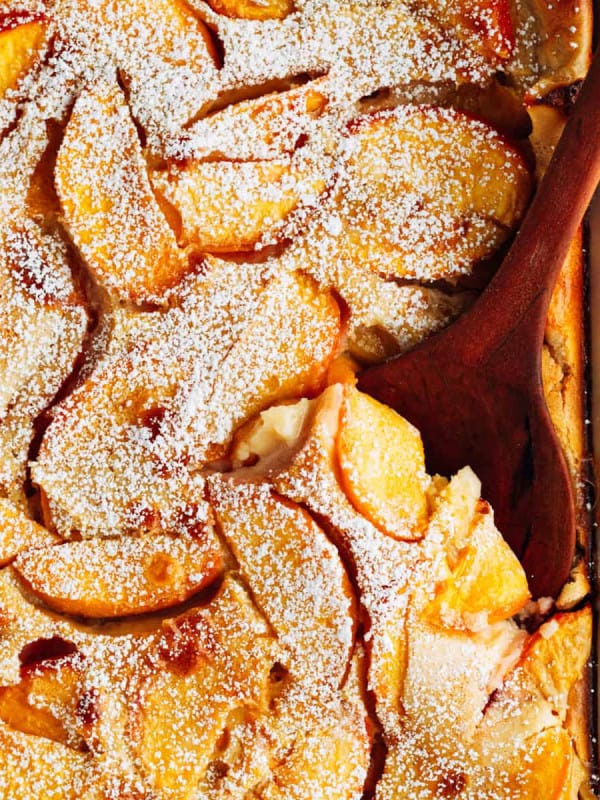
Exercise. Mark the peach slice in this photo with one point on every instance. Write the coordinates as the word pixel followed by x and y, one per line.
pixel 45 701
pixel 276 543
pixel 114 429
pixel 557 653
pixel 492 22
pixel 284 353
pixel 108 202
pixel 210 662
pixel 182 719
pixel 326 763
pixel 253 9
pixel 168 91
pixel 19 49
pixel 426 193
pixel 383 466
pixel 540 767
pixel 486 583
pixel 18 532
pixel 42 327
pixel 261 128
pixel 116 577
pixel 544 766
pixel 229 207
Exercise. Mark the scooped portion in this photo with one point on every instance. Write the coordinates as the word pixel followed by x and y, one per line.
pixel 468 700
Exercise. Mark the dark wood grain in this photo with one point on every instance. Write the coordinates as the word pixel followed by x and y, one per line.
pixel 475 390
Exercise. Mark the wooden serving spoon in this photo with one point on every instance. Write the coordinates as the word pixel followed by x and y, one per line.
pixel 475 389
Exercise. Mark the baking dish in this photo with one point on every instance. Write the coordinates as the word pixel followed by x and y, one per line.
pixel 77 476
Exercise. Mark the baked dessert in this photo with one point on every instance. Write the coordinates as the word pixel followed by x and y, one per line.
pixel 225 572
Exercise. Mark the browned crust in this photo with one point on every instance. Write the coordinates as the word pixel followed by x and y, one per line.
pixel 563 361
pixel 564 29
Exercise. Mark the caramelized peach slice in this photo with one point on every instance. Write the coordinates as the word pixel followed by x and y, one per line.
pixel 427 192
pixel 108 203
pixel 182 718
pixel 539 767
pixel 211 662
pixel 18 532
pixel 253 9
pixel 229 207
pixel 19 49
pixel 486 583
pixel 45 701
pixel 114 430
pixel 383 466
pixel 557 653
pixel 296 576
pixel 115 577
pixel 386 318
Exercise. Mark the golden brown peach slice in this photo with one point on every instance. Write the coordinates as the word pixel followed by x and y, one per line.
pixel 426 193
pixel 386 318
pixel 253 9
pixel 45 701
pixel 108 202
pixel 18 532
pixel 33 767
pixel 19 49
pixel 261 128
pixel 114 430
pixel 182 719
pixel 486 582
pixel 117 577
pixel 211 662
pixel 277 544
pixel 229 207
pixel 540 767
pixel 383 466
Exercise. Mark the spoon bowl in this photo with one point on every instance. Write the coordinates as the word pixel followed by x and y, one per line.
pixel 475 389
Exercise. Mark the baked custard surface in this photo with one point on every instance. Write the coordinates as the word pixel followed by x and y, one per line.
pixel 211 588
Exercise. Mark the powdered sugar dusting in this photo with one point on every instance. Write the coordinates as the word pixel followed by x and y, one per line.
pixel 199 213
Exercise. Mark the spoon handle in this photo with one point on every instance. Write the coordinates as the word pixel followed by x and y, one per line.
pixel 517 298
